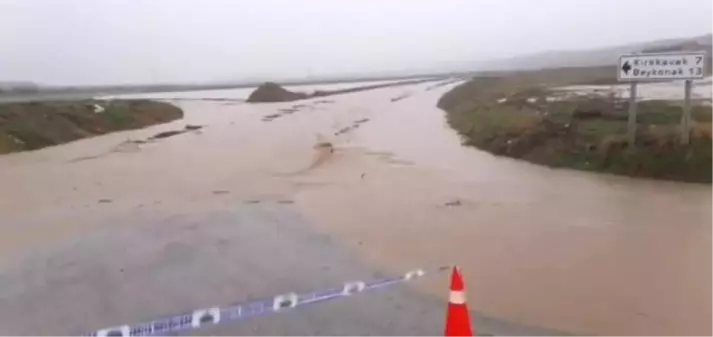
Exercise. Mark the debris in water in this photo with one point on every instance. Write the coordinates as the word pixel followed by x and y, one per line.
pixel 269 118
pixel 104 201
pixel 288 111
pixel 220 192
pixel 343 130
pixel 400 97
pixel 193 127
pixel 166 134
pixel 324 145
pixel 453 203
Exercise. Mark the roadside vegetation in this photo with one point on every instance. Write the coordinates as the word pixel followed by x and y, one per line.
pixel 514 115
pixel 34 125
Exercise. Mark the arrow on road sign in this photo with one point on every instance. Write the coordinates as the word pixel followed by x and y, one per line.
pixel 626 67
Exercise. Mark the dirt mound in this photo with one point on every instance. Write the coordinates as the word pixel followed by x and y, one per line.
pixel 272 92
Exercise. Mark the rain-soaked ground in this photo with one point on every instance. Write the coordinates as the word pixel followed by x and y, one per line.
pixel 103 231
pixel 670 90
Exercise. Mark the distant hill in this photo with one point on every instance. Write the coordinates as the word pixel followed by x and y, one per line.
pixel 17 86
pixel 597 57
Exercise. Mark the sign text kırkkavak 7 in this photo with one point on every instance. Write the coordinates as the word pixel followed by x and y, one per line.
pixel 670 66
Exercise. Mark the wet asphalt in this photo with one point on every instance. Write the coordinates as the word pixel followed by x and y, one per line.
pixel 127 273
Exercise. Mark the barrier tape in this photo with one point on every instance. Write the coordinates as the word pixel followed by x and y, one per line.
pixel 216 315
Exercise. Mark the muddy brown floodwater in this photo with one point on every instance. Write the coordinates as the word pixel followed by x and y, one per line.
pixel 572 251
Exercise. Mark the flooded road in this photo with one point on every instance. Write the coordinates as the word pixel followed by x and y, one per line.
pixel 566 250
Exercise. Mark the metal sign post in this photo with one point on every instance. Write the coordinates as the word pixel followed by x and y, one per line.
pixel 686 116
pixel 631 125
pixel 636 68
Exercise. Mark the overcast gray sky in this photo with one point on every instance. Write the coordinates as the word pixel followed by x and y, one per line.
pixel 124 41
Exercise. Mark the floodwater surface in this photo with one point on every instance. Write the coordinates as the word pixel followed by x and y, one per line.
pixel 567 250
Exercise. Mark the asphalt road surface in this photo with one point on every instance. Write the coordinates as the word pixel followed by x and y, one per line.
pixel 133 272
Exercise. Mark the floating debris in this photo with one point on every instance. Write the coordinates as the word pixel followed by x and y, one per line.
pixel 288 111
pixel 400 97
pixel 453 203
pixel 167 134
pixel 194 127
pixel 269 118
pixel 343 130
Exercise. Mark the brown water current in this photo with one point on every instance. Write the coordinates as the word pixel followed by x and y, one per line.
pixel 573 251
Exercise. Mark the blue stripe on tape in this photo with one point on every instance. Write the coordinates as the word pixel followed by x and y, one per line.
pixel 213 316
pixel 384 283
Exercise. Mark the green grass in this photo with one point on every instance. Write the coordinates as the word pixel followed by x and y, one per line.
pixel 30 138
pixel 118 116
pixel 30 126
pixel 586 133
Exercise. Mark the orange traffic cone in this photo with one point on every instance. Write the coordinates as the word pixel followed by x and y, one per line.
pixel 457 317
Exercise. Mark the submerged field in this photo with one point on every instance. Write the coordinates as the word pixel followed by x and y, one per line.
pixel 526 116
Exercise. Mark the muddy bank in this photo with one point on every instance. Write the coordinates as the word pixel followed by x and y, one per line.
pixel 30 126
pixel 510 117
pixel 272 92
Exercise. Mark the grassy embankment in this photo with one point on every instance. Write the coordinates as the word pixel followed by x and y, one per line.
pixel 586 133
pixel 30 126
